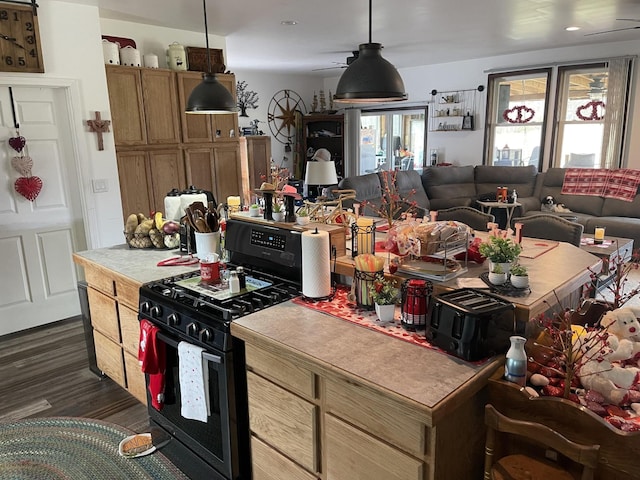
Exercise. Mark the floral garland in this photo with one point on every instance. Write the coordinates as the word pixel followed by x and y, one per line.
pixel 523 113
pixel 595 106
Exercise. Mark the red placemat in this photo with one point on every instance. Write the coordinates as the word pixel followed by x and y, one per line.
pixel 341 307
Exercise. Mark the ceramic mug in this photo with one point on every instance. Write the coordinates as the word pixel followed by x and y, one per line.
pixel 210 268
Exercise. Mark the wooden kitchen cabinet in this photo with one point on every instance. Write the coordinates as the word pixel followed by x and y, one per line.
pixel 113 303
pixel 258 159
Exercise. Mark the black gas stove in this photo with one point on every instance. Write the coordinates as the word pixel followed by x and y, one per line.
pixel 187 311
pixel 203 312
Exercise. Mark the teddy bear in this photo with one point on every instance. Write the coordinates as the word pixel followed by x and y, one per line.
pixel 610 362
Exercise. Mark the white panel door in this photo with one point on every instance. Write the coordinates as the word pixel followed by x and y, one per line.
pixel 37 239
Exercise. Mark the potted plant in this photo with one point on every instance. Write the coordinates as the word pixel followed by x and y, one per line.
pixel 385 296
pixel 254 210
pixel 519 276
pixel 302 216
pixel 497 275
pixel 278 212
pixel 500 250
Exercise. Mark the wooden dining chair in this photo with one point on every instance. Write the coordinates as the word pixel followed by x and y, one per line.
pixel 467 215
pixel 525 467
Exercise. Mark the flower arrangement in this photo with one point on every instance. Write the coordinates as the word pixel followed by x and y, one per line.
pixel 278 176
pixel 392 204
pixel 385 291
pixel 500 249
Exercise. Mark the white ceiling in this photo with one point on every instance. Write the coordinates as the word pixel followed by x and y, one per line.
pixel 413 32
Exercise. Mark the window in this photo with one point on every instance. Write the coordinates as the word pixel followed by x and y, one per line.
pixel 584 121
pixel 516 119
pixel 392 140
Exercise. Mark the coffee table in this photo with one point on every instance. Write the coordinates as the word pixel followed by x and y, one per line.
pixel 509 207
pixel 611 248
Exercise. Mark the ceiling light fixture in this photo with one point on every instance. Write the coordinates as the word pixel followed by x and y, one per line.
pixel 370 78
pixel 572 29
pixel 288 23
pixel 210 96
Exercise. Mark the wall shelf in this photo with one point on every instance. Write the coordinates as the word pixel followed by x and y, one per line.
pixel 453 110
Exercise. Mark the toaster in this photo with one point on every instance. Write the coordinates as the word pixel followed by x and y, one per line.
pixel 471 324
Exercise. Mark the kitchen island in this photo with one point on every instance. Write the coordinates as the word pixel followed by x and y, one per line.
pixel 114 276
pixel 333 400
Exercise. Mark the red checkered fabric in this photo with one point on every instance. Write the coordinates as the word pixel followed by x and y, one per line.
pixel 619 184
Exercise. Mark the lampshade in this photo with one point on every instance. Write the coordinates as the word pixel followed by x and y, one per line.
pixel 370 79
pixel 210 96
pixel 321 173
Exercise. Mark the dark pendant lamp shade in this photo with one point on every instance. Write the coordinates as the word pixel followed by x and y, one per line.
pixel 370 78
pixel 210 97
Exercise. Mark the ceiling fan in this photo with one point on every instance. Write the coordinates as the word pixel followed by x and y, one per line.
pixel 618 29
pixel 349 61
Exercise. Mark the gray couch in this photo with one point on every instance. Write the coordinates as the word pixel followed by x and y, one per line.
pixel 445 187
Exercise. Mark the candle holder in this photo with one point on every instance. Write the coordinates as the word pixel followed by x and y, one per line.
pixel 363 239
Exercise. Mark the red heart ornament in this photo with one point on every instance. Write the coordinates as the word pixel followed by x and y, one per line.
pixel 29 187
pixel 17 143
pixel 23 165
pixel 518 114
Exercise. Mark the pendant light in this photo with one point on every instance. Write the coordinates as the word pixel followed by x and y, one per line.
pixel 210 96
pixel 370 78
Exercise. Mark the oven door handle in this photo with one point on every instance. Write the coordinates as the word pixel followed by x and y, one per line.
pixel 174 344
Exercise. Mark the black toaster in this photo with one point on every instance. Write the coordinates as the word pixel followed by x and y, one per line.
pixel 471 324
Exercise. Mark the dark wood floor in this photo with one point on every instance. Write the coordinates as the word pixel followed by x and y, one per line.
pixel 44 372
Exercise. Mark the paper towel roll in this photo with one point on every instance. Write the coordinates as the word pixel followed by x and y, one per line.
pixel 316 264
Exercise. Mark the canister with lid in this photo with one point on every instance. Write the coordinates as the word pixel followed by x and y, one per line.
pixel 130 56
pixel 110 52
pixel 177 57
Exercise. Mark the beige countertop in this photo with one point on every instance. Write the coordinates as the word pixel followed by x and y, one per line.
pixel 138 264
pixel 416 373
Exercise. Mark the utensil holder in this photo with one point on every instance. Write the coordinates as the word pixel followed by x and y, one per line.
pixel 364 287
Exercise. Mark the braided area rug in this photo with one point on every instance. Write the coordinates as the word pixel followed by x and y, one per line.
pixel 74 449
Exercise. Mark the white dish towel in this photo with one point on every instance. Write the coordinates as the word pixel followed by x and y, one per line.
pixel 194 382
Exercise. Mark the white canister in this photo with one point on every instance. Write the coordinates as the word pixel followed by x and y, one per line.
pixel 151 60
pixel 130 56
pixel 177 57
pixel 110 52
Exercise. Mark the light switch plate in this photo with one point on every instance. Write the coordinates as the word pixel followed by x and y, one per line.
pixel 100 185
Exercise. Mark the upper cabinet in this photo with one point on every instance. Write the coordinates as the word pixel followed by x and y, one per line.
pixel 205 128
pixel 324 131
pixel 143 106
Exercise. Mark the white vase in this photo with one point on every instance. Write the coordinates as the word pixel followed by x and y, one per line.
pixel 506 266
pixel 254 211
pixel 497 278
pixel 385 313
pixel 519 281
pixel 278 216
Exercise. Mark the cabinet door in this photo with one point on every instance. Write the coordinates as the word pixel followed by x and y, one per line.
pixel 135 190
pixel 284 421
pixel 223 124
pixel 228 170
pixel 160 106
pixel 166 171
pixel 195 128
pixel 109 358
pixel 127 112
pixel 199 168
pixel 104 314
pixel 259 159
pixel 353 455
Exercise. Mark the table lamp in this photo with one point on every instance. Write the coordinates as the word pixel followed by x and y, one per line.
pixel 321 173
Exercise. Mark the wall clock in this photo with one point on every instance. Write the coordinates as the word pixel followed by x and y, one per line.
pixel 282 114
pixel 20 38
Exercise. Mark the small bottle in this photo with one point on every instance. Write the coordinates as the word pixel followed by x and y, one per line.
pixel 242 277
pixel 234 282
pixel 515 367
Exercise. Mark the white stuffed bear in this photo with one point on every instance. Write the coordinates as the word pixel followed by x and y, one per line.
pixel 609 363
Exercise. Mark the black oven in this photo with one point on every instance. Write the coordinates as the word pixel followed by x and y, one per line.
pixel 186 310
pixel 212 446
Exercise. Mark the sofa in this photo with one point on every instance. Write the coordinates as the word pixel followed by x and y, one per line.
pixel 445 187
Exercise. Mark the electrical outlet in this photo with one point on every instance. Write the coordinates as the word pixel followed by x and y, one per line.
pixel 100 185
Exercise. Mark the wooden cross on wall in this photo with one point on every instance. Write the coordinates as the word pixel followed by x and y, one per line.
pixel 99 126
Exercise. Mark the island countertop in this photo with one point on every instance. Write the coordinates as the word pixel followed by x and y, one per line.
pixel 420 375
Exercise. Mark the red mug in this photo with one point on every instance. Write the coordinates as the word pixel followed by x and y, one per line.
pixel 210 270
